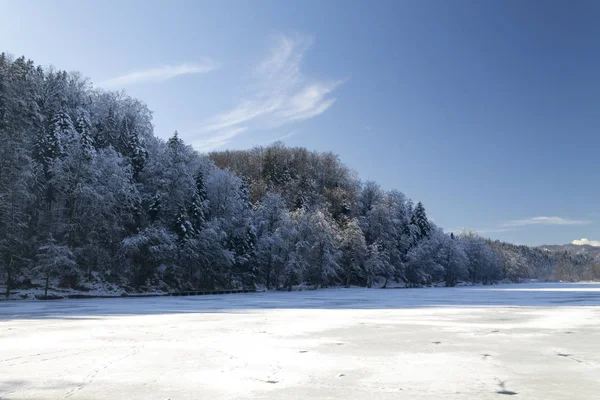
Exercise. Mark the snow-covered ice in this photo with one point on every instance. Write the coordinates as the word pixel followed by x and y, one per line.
pixel 538 341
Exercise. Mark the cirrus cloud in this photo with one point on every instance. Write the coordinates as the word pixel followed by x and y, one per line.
pixel 160 74
pixel 544 221
pixel 280 95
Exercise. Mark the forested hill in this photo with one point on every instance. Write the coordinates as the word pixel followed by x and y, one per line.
pixel 89 196
pixel 301 177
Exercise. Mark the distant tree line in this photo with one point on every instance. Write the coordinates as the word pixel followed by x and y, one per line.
pixel 88 194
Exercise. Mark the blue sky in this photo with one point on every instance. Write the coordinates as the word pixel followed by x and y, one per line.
pixel 486 111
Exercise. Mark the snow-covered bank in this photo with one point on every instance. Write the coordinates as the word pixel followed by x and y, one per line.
pixel 536 340
pixel 98 290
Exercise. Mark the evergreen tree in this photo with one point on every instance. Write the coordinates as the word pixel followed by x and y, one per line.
pixel 154 207
pixel 174 141
pixel 183 228
pixel 419 219
pixel 49 147
pixel 199 203
pixel 84 129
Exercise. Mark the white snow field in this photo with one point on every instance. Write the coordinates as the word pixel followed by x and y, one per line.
pixel 531 341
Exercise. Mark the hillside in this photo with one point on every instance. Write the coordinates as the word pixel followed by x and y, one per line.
pixel 585 249
pixel 90 197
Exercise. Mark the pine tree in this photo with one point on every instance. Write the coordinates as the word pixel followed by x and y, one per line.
pixel 138 154
pixel 198 208
pixel 155 207
pixel 243 242
pixel 48 148
pixel 419 219
pixel 174 141
pixel 62 127
pixel 83 128
pixel 183 228
pixel 132 146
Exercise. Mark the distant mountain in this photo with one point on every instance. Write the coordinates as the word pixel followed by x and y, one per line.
pixel 593 251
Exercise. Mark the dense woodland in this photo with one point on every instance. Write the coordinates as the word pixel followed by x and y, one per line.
pixel 88 194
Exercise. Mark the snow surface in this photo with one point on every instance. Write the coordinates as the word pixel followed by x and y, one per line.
pixel 540 341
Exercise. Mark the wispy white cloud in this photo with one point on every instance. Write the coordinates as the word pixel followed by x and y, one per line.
pixel 281 95
pixel 216 141
pixel 481 231
pixel 584 241
pixel 544 221
pixel 160 74
pixel 519 223
pixel 493 230
pixel 286 136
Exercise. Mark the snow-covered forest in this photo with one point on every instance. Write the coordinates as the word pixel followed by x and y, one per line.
pixel 89 194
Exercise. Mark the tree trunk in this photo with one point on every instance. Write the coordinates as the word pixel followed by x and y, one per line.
pixel 46 288
pixel 269 276
pixel 348 276
pixel 9 276
pixel 8 280
pixel 277 273
pixel 191 275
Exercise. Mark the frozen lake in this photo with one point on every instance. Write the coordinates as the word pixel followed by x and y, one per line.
pixel 534 341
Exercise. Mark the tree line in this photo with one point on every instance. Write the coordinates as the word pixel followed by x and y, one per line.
pixel 89 194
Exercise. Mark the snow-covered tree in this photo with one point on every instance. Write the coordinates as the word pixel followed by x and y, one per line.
pixel 375 263
pixel 54 260
pixel 198 210
pixel 354 251
pixel 423 265
pixel 320 249
pixel 380 229
pixel 147 251
pixel 272 224
pixel 84 167
pixel 453 258
pixel 370 195
pixel 230 209
pixel 420 221
pixel 484 263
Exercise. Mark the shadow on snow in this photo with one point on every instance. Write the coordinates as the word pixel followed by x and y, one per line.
pixel 517 295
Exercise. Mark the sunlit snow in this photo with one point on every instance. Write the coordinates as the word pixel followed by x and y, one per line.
pixel 535 341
